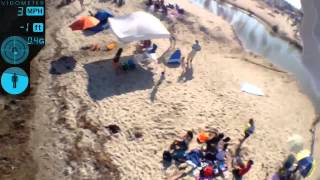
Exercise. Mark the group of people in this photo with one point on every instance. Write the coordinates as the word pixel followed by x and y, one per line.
pixel 160 6
pixel 211 160
pixel 67 2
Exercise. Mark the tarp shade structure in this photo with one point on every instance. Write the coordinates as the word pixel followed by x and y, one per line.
pixel 138 26
pixel 84 22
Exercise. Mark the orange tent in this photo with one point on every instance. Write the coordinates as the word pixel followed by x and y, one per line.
pixel 84 22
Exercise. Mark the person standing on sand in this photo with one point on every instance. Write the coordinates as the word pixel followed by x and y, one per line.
pixel 81 3
pixel 183 65
pixel 241 170
pixel 249 130
pixel 116 60
pixel 195 48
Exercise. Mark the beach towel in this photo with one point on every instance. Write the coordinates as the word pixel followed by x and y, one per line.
pixel 251 89
pixel 175 57
pixel 195 157
pixel 129 65
pixel 179 155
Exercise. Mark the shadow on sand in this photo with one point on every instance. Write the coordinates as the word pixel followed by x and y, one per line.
pixel 63 65
pixel 103 82
pixel 155 89
pixel 187 75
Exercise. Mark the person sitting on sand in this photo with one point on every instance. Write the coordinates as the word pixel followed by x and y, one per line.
pixel 162 3
pixel 213 142
pixel 178 149
pixel 195 48
pixel 249 130
pixel 183 65
pixel 81 3
pixel 142 46
pixel 224 142
pixel 241 170
pixel 146 44
pixel 119 2
pixel 164 11
pixel 149 3
pixel 182 143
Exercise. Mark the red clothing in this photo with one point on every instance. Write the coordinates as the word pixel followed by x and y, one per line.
pixel 208 171
pixel 244 169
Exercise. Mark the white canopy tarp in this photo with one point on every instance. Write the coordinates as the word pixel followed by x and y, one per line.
pixel 138 26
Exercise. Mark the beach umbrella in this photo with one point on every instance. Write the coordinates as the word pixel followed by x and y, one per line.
pixel 103 16
pixel 306 163
pixel 138 26
pixel 84 22
pixel 295 143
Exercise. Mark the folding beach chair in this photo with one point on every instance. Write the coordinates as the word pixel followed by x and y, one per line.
pixel 175 58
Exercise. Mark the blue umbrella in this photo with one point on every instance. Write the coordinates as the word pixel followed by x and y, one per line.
pixel 306 166
pixel 103 17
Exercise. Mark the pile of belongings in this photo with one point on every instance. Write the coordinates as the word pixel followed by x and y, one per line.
pixel 207 162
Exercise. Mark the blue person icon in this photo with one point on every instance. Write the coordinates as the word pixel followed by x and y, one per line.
pixel 14 79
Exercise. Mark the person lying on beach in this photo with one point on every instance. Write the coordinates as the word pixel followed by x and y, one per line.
pixel 182 143
pixel 190 166
pixel 241 170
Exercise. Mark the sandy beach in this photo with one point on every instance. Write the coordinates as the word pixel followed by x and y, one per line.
pixel 77 96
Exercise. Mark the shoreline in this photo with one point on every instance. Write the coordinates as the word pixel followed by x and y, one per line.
pixel 264 20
